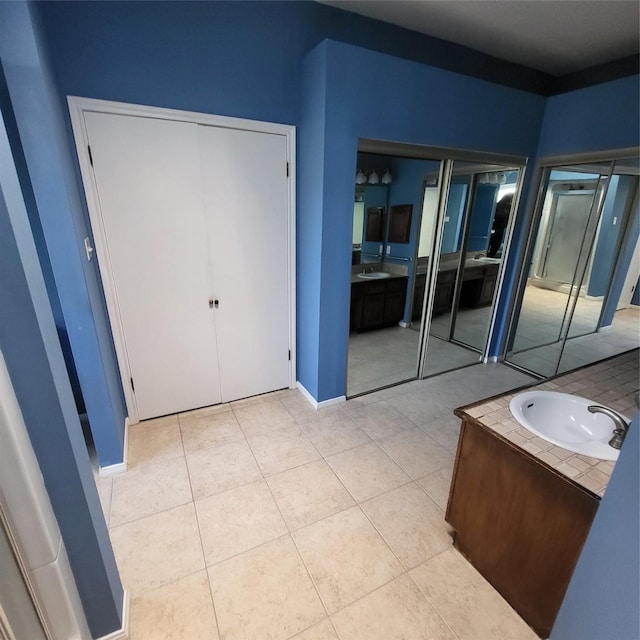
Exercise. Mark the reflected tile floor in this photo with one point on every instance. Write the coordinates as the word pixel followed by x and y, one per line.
pixel 268 520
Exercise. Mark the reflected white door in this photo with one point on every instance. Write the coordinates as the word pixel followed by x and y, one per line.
pixel 149 186
pixel 244 177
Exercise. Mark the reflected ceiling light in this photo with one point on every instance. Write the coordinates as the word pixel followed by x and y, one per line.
pixel 373 177
pixel 386 178
pixel 361 178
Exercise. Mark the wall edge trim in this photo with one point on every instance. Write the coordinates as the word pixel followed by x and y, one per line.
pixel 314 403
pixel 119 467
pixel 123 632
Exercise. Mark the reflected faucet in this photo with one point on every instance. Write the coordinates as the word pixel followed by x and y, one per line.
pixel 620 431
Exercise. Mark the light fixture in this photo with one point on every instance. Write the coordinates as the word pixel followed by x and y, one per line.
pixel 361 178
pixel 373 177
pixel 386 178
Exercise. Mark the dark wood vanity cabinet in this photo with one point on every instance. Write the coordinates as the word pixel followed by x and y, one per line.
pixel 418 295
pixel 519 522
pixel 445 287
pixel 478 285
pixel 377 303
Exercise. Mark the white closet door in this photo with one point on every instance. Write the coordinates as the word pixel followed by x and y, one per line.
pixel 245 195
pixel 148 182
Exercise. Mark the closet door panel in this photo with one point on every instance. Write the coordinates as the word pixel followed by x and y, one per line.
pixel 148 181
pixel 246 202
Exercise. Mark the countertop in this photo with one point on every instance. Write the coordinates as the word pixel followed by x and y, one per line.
pixel 354 277
pixel 613 382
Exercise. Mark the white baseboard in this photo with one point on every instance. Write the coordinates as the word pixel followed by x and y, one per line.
pixel 119 467
pixel 314 403
pixel 123 632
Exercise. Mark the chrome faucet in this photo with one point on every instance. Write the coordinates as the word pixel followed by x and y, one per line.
pixel 620 431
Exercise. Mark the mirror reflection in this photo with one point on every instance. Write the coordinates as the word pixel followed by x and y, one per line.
pixel 568 316
pixel 403 230
pixel 478 212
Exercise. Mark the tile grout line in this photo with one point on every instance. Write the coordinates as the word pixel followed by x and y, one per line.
pixel 195 511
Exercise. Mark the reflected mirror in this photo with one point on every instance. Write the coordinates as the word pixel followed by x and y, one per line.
pixel 584 221
pixel 478 213
pixel 463 222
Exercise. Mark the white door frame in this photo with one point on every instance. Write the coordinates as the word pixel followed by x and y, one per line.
pixel 77 108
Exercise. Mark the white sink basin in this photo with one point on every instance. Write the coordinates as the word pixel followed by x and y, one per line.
pixel 563 419
pixel 374 275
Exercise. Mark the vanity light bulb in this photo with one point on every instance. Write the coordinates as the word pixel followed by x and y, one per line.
pixel 373 177
pixel 361 178
pixel 386 178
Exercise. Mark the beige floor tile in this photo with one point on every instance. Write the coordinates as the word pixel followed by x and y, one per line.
pixel 437 486
pixel 410 523
pixel 147 489
pixel 237 520
pixel 367 471
pixel 309 493
pixel 381 420
pixel 346 557
pixel 282 449
pixel 397 611
pixel 263 417
pixel 202 431
pixel 105 489
pixel 302 411
pixel 264 594
pixel 445 431
pixel 179 610
pixel 221 468
pixel 467 602
pixel 334 433
pixel 157 439
pixel 321 631
pixel 158 549
pixel 417 453
pixel 205 411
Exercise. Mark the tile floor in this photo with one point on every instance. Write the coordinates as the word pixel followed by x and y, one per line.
pixel 536 347
pixel 268 520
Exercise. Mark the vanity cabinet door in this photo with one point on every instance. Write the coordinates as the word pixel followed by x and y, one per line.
pixel 418 296
pixel 395 300
pixel 518 522
pixel 444 292
pixel 373 305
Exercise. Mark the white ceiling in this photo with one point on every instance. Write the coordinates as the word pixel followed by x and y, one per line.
pixel 554 36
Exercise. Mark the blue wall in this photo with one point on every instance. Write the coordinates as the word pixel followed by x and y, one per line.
pixel 604 116
pixel 28 336
pixel 48 170
pixel 437 111
pixel 601 117
pixel 30 346
pixel 603 595
pixel 621 190
pixel 456 202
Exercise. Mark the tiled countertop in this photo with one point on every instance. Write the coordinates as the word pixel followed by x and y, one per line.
pixel 613 383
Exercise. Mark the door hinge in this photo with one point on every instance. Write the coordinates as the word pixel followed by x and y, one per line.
pixel 90 155
pixel 287 169
pixel 132 385
pixel 289 354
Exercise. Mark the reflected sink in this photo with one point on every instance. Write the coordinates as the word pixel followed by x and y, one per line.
pixel 563 419
pixel 374 275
